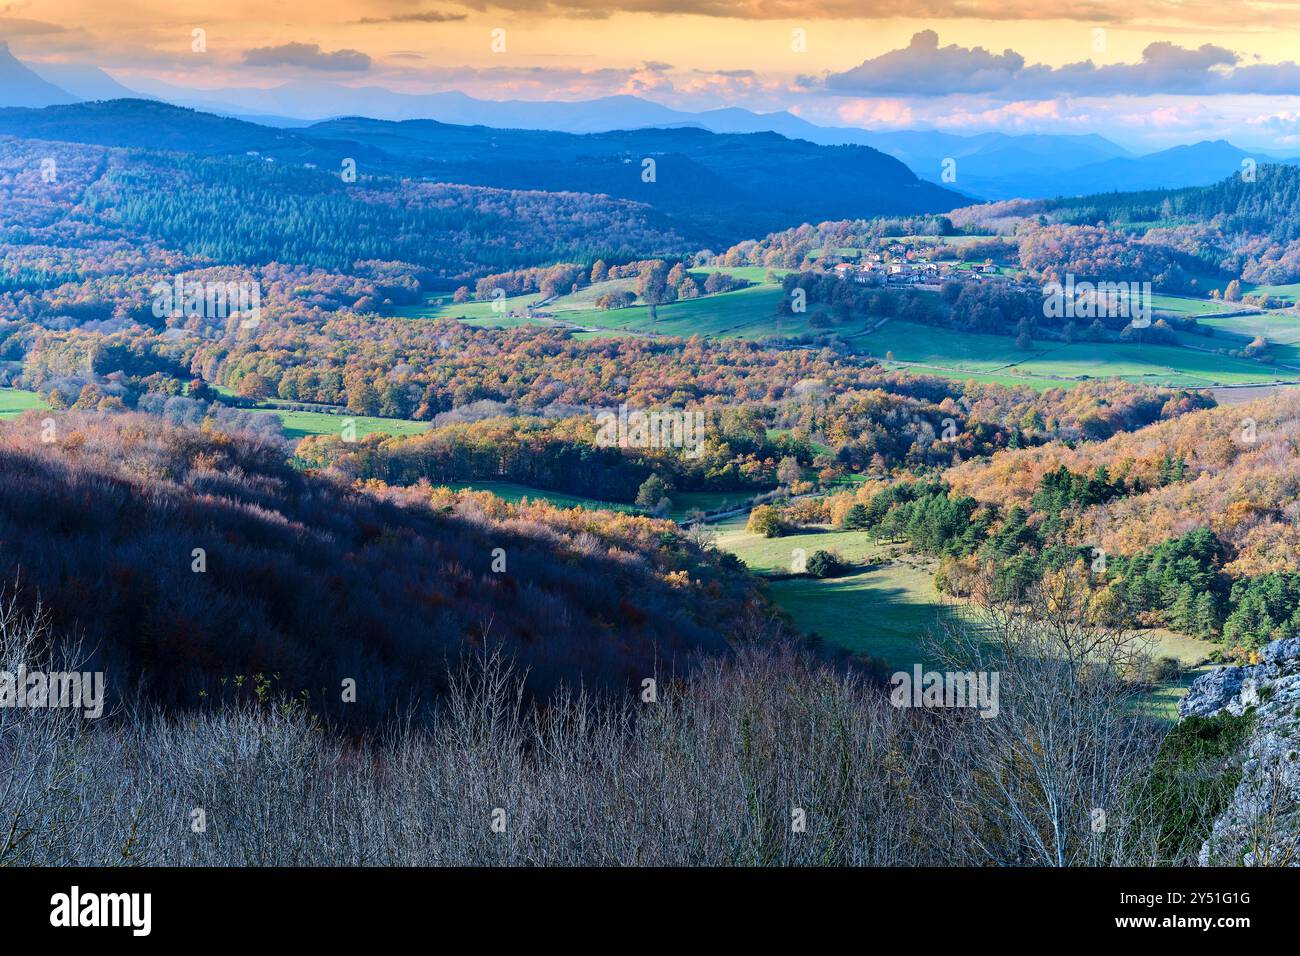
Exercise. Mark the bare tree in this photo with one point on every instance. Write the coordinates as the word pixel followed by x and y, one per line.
pixel 1047 781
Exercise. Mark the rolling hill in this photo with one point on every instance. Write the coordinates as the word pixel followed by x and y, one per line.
pixel 714 188
pixel 183 557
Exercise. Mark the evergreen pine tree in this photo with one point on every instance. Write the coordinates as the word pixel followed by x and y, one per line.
pixel 1206 617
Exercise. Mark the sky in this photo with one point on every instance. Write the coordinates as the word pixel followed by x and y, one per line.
pixel 1145 73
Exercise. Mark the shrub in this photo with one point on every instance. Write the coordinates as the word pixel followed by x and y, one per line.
pixel 824 564
pixel 1191 783
pixel 1166 669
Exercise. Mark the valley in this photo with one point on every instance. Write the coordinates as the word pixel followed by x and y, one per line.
pixel 305 447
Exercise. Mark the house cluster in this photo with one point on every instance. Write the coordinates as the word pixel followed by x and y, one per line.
pixel 902 268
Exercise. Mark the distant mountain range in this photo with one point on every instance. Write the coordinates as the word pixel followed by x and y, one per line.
pixel 1200 164
pixel 986 165
pixel 82 82
pixel 714 188
pixel 20 86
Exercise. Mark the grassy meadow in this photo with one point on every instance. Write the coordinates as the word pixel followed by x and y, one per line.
pixel 751 313
pixel 515 493
pixel 302 424
pixel 683 502
pixel 491 314
pixel 887 605
pixel 723 315
pixel 1057 364
pixel 15 401
pixel 881 609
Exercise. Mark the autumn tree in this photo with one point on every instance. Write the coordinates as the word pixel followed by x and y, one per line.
pixel 765 521
pixel 789 471
pixel 253 385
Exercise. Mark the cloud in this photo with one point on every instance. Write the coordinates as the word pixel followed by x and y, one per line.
pixel 1172 116
pixel 873 113
pixel 1030 115
pixel 1287 121
pixel 308 56
pixel 1282 127
pixel 1090 11
pixel 924 68
pixel 1165 68
pixel 1276 78
pixel 418 16
pixel 18 27
pixel 651 78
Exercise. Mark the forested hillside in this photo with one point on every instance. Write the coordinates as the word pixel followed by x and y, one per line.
pixel 1245 226
pixel 713 188
pixel 1187 524
pixel 242 211
pixel 186 558
pixel 1237 474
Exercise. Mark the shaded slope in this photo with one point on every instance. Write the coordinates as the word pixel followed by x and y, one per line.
pixel 316 583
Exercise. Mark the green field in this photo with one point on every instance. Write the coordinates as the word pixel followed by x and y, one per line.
pixel 1056 364
pixel 506 321
pixel 883 609
pixel 769 555
pixel 1163 700
pixel 708 315
pixel 683 502
pixel 1187 306
pixel 584 300
pixel 1290 292
pixel 888 605
pixel 301 424
pixel 750 313
pixel 724 314
pixel 687 501
pixel 882 612
pixel 1184 305
pixel 1282 330
pixel 1149 364
pixel 493 314
pixel 597 334
pixel 15 401
pixel 515 493
pixel 748 273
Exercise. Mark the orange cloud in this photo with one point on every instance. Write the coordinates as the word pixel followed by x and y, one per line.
pixel 875 113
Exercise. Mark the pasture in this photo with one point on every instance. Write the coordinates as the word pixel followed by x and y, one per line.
pixel 298 425
pixel 1049 364
pixel 882 608
pixel 15 401
pixel 888 604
